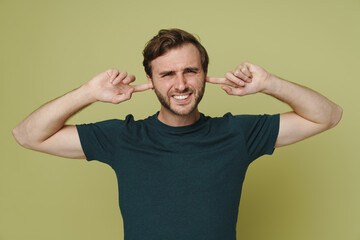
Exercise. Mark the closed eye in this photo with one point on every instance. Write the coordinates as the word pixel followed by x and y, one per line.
pixel 191 70
pixel 167 74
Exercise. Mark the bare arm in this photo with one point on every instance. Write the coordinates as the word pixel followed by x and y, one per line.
pixel 44 130
pixel 312 113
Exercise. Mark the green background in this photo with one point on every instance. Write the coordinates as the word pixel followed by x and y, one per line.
pixel 309 190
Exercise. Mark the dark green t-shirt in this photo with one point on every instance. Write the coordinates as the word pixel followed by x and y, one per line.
pixel 180 182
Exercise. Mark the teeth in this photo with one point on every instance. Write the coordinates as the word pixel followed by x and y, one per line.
pixel 181 97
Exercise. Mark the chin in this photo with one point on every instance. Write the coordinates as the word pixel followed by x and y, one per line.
pixel 183 112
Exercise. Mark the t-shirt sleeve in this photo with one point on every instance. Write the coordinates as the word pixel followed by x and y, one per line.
pixel 98 139
pixel 260 133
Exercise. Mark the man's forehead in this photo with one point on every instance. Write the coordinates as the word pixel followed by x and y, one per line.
pixel 180 58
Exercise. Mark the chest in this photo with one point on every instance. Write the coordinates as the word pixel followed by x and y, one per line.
pixel 181 173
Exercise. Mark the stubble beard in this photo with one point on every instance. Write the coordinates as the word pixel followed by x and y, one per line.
pixel 165 100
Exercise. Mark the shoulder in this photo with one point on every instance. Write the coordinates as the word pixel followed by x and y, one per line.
pixel 244 122
pixel 229 117
pixel 248 118
pixel 110 124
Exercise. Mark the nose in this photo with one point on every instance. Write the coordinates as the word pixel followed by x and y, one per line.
pixel 180 82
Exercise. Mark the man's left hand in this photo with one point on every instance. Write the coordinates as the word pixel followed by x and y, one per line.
pixel 246 79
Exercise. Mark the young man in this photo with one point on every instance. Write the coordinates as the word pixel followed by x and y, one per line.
pixel 179 172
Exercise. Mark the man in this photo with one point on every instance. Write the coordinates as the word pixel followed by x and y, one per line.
pixel 179 172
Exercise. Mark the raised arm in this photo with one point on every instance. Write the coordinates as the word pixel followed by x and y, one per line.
pixel 312 113
pixel 44 130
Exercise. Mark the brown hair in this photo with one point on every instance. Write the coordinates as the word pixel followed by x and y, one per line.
pixel 167 39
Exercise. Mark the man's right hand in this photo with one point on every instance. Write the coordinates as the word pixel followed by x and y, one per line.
pixel 114 86
pixel 45 130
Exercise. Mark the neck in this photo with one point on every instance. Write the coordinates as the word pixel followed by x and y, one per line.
pixel 171 119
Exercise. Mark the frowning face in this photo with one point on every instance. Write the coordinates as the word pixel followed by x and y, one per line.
pixel 179 80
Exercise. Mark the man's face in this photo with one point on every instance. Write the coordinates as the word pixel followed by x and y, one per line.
pixel 179 80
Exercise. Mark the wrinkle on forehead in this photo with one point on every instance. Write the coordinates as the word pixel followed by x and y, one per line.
pixel 177 59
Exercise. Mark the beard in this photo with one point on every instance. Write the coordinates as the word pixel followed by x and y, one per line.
pixel 165 100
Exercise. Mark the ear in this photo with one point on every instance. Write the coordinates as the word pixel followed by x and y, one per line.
pixel 150 81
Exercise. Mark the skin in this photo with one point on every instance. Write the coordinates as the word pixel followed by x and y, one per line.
pixel 44 130
pixel 312 113
pixel 176 73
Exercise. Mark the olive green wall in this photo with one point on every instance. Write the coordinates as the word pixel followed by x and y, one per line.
pixel 309 190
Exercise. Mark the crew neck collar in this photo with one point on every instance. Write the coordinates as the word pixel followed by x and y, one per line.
pixel 169 128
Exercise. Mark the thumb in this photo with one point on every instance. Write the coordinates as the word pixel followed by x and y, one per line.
pixel 239 91
pixel 123 96
pixel 227 89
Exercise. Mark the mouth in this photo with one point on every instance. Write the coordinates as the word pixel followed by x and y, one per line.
pixel 182 98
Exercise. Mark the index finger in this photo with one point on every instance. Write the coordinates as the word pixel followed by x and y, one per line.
pixel 216 80
pixel 142 87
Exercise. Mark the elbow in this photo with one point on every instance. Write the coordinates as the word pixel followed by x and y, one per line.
pixel 336 117
pixel 19 137
pixel 16 134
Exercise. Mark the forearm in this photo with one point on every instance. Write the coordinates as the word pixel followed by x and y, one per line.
pixel 305 102
pixel 312 113
pixel 51 117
